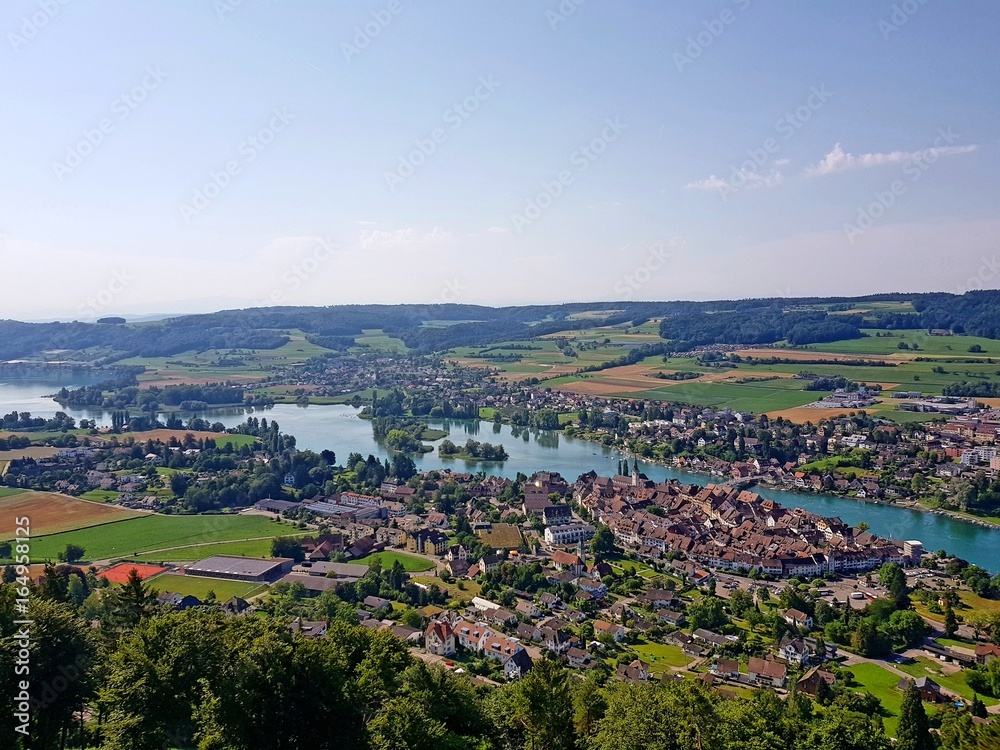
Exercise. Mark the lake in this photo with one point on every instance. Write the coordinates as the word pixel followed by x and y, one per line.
pixel 339 429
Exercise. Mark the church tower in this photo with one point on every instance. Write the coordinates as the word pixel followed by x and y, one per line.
pixel 635 471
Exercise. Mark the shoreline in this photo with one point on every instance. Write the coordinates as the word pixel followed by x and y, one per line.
pixel 751 482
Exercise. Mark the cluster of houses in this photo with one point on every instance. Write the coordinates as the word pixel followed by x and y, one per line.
pixel 723 527
pixel 965 446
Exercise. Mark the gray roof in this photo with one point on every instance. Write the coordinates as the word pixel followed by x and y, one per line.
pixel 243 566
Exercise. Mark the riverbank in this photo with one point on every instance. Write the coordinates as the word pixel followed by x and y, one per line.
pixel 913 505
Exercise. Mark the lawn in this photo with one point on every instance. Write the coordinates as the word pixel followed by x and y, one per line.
pixel 882 684
pixel 199 586
pixel 124 538
pixel 660 655
pixel 100 496
pixel 410 563
pixel 249 548
pixel 471 588
pixel 8 491
pixel 954 682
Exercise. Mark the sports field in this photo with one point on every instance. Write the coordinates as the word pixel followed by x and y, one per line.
pixel 153 532
pixel 50 512
pixel 200 587
pixel 120 573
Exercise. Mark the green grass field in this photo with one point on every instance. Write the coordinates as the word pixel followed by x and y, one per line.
pixel 954 682
pixel 100 496
pixel 198 586
pixel 882 684
pixel 377 339
pixel 756 397
pixel 249 548
pixel 8 491
pixel 124 538
pixel 660 655
pixel 410 563
pixel 950 346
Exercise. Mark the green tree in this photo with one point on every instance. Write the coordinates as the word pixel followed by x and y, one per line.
pixel 543 703
pixel 603 543
pixel 914 729
pixel 287 546
pixel 950 620
pixel 72 553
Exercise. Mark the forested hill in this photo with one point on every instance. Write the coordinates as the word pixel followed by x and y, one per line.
pixel 430 328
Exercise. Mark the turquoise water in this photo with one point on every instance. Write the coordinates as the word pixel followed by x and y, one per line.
pixel 339 429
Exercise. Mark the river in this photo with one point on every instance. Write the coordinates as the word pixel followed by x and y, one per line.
pixel 339 429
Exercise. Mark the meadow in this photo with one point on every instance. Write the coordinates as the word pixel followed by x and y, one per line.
pixel 242 548
pixel 152 532
pixel 939 361
pixel 410 563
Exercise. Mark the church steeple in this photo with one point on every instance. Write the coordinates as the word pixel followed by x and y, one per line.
pixel 635 471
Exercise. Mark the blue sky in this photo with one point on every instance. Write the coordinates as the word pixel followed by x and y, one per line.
pixel 171 157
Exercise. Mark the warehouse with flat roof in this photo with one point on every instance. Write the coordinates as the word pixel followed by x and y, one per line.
pixel 251 569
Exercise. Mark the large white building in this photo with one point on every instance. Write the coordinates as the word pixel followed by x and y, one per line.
pixel 571 533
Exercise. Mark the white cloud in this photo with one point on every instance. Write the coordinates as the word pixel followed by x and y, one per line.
pixel 740 180
pixel 839 160
pixel 408 239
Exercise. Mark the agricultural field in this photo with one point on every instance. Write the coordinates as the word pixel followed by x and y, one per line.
pixel 219 365
pixel 164 435
pixel 200 587
pixel 153 532
pixel 376 338
pixel 542 357
pixel 943 346
pixel 32 451
pixel 51 513
pixel 772 388
pixel 410 563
